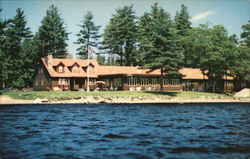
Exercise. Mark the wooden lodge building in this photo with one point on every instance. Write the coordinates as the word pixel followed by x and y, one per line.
pixel 71 74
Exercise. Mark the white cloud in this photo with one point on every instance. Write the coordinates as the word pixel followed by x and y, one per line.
pixel 202 15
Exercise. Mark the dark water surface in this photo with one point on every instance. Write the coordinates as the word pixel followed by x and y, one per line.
pixel 125 131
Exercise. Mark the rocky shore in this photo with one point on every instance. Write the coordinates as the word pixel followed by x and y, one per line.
pixel 127 100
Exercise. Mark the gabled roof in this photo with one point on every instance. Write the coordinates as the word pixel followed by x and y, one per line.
pixel 68 63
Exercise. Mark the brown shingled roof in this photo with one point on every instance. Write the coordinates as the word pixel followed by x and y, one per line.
pixel 188 73
pixel 125 70
pixel 196 73
pixel 192 73
pixel 68 63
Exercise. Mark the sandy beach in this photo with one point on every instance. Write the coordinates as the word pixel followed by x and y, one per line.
pixel 126 100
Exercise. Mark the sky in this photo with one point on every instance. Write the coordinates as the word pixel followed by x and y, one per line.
pixel 232 14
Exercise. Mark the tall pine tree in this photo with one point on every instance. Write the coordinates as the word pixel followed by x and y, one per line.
pixel 16 33
pixel 52 34
pixel 120 35
pixel 4 57
pixel 183 26
pixel 88 35
pixel 159 42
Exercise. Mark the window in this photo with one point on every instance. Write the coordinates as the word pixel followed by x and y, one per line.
pixel 75 69
pixel 60 68
pixel 130 81
pixel 154 81
pixel 63 81
pixel 174 82
pixel 117 81
pixel 165 81
pixel 42 82
pixel 36 83
pixel 92 81
pixel 40 70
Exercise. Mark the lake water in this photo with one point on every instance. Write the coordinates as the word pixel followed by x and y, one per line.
pixel 125 131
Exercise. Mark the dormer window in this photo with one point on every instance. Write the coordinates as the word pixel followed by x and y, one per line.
pixel 75 69
pixel 60 68
pixel 90 67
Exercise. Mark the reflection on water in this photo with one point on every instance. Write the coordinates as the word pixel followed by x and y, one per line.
pixel 125 131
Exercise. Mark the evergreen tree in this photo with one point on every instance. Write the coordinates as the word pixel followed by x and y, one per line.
pixel 4 57
pixel 159 42
pixel 30 54
pixel 183 26
pixel 16 33
pixel 182 20
pixel 52 34
pixel 88 35
pixel 120 36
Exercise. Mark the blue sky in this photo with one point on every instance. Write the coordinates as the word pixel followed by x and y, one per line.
pixel 230 13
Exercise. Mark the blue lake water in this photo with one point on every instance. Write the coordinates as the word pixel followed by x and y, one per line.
pixel 125 131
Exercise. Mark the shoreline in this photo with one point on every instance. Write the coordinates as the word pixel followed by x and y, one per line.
pixel 7 100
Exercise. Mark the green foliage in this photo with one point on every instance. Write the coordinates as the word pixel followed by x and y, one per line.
pixel 52 34
pixel 183 26
pixel 120 36
pixel 241 67
pixel 218 57
pixel 100 59
pixel 246 34
pixel 159 41
pixel 182 21
pixel 88 35
pixel 15 34
pixel 4 57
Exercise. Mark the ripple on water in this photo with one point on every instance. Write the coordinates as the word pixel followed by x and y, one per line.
pixel 210 127
pixel 115 136
pixel 136 155
pixel 189 149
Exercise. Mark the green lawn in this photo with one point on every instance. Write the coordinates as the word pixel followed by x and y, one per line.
pixel 75 94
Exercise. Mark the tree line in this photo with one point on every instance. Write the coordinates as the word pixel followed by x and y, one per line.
pixel 155 40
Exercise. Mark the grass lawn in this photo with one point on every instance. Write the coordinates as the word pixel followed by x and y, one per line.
pixel 66 95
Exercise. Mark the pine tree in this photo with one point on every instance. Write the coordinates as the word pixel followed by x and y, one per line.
pixel 16 33
pixel 182 21
pixel 159 42
pixel 4 57
pixel 183 26
pixel 30 54
pixel 88 35
pixel 52 34
pixel 120 35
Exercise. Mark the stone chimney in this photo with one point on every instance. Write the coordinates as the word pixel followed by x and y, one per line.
pixel 48 60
